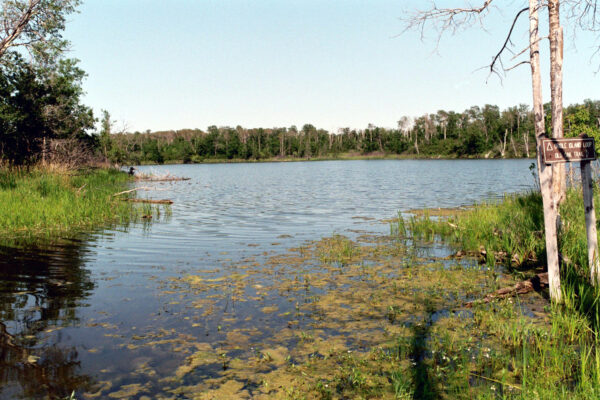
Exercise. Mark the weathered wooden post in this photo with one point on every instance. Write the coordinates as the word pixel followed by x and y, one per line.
pixel 590 220
pixel 580 149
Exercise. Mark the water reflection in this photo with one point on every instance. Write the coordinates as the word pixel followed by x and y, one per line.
pixel 40 293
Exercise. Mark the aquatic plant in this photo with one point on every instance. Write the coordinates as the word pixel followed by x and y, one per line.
pixel 38 205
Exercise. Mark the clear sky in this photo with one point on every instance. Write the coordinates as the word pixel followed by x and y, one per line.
pixel 156 64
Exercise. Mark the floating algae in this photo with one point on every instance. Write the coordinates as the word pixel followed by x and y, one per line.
pixel 334 318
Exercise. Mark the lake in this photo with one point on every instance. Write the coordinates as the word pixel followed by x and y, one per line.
pixel 234 267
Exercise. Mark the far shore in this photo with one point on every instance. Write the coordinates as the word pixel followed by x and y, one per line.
pixel 341 157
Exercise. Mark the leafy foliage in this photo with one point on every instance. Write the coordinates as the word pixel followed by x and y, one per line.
pixel 39 102
pixel 35 26
pixel 477 132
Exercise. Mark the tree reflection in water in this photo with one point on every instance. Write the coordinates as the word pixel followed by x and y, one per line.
pixel 40 291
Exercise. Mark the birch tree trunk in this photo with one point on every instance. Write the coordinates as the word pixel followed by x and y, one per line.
pixel 544 172
pixel 559 185
pixel 503 144
pixel 512 142
pixel 416 143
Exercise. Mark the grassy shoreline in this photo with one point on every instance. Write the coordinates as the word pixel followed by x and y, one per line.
pixel 42 206
pixel 552 355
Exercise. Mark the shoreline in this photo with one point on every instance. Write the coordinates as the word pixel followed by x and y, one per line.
pixel 315 159
pixel 42 206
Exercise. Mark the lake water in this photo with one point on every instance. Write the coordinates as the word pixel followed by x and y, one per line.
pixel 122 309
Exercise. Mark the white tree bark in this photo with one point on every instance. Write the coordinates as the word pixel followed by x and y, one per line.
pixel 559 185
pixel 544 172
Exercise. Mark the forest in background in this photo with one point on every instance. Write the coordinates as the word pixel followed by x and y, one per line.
pixel 478 132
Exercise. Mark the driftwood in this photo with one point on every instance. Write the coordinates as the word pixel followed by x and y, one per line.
pixel 166 201
pixel 134 189
pixel 536 283
pixel 161 179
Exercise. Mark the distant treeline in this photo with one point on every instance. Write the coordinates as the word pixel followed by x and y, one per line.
pixel 477 132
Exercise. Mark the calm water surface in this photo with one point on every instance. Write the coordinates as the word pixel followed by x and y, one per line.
pixel 93 315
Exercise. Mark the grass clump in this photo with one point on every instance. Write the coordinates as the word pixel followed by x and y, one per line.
pixel 39 205
pixel 512 227
pixel 554 354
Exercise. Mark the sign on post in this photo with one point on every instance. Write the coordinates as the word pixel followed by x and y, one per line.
pixel 579 149
pixel 568 150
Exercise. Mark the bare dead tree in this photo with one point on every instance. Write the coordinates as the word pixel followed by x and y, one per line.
pixel 544 171
pixel 559 185
pixel 450 20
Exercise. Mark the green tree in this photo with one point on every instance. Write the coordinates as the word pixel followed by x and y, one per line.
pixel 105 131
pixel 37 103
pixel 151 152
pixel 34 25
pixel 580 121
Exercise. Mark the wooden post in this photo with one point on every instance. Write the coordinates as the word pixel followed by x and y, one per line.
pixel 590 220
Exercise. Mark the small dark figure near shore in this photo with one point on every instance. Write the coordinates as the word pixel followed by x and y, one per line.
pixel 131 171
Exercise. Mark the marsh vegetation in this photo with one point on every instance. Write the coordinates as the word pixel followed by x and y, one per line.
pixel 41 205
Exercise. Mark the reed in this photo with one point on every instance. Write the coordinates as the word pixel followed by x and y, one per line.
pixel 42 205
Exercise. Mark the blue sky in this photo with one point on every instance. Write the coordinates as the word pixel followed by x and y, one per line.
pixel 158 65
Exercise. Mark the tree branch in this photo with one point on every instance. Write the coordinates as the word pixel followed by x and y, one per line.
pixel 507 41
pixel 447 18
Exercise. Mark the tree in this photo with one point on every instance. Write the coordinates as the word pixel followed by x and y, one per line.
pixel 40 98
pixel 544 171
pixel 105 130
pixel 555 37
pixel 451 19
pixel 34 25
pixel 21 112
pixel 37 103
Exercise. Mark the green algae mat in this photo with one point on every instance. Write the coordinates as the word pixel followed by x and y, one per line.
pixel 374 317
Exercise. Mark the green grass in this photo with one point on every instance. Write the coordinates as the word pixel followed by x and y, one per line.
pixel 38 205
pixel 513 226
pixel 554 355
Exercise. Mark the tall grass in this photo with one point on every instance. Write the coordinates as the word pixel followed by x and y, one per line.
pixel 559 359
pixel 513 226
pixel 40 205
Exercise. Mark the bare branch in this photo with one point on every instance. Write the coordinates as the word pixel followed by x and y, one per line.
pixel 517 65
pixel 585 13
pixel 528 47
pixel 446 19
pixel 507 41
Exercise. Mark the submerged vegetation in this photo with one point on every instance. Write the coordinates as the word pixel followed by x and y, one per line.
pixel 377 316
pixel 41 205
